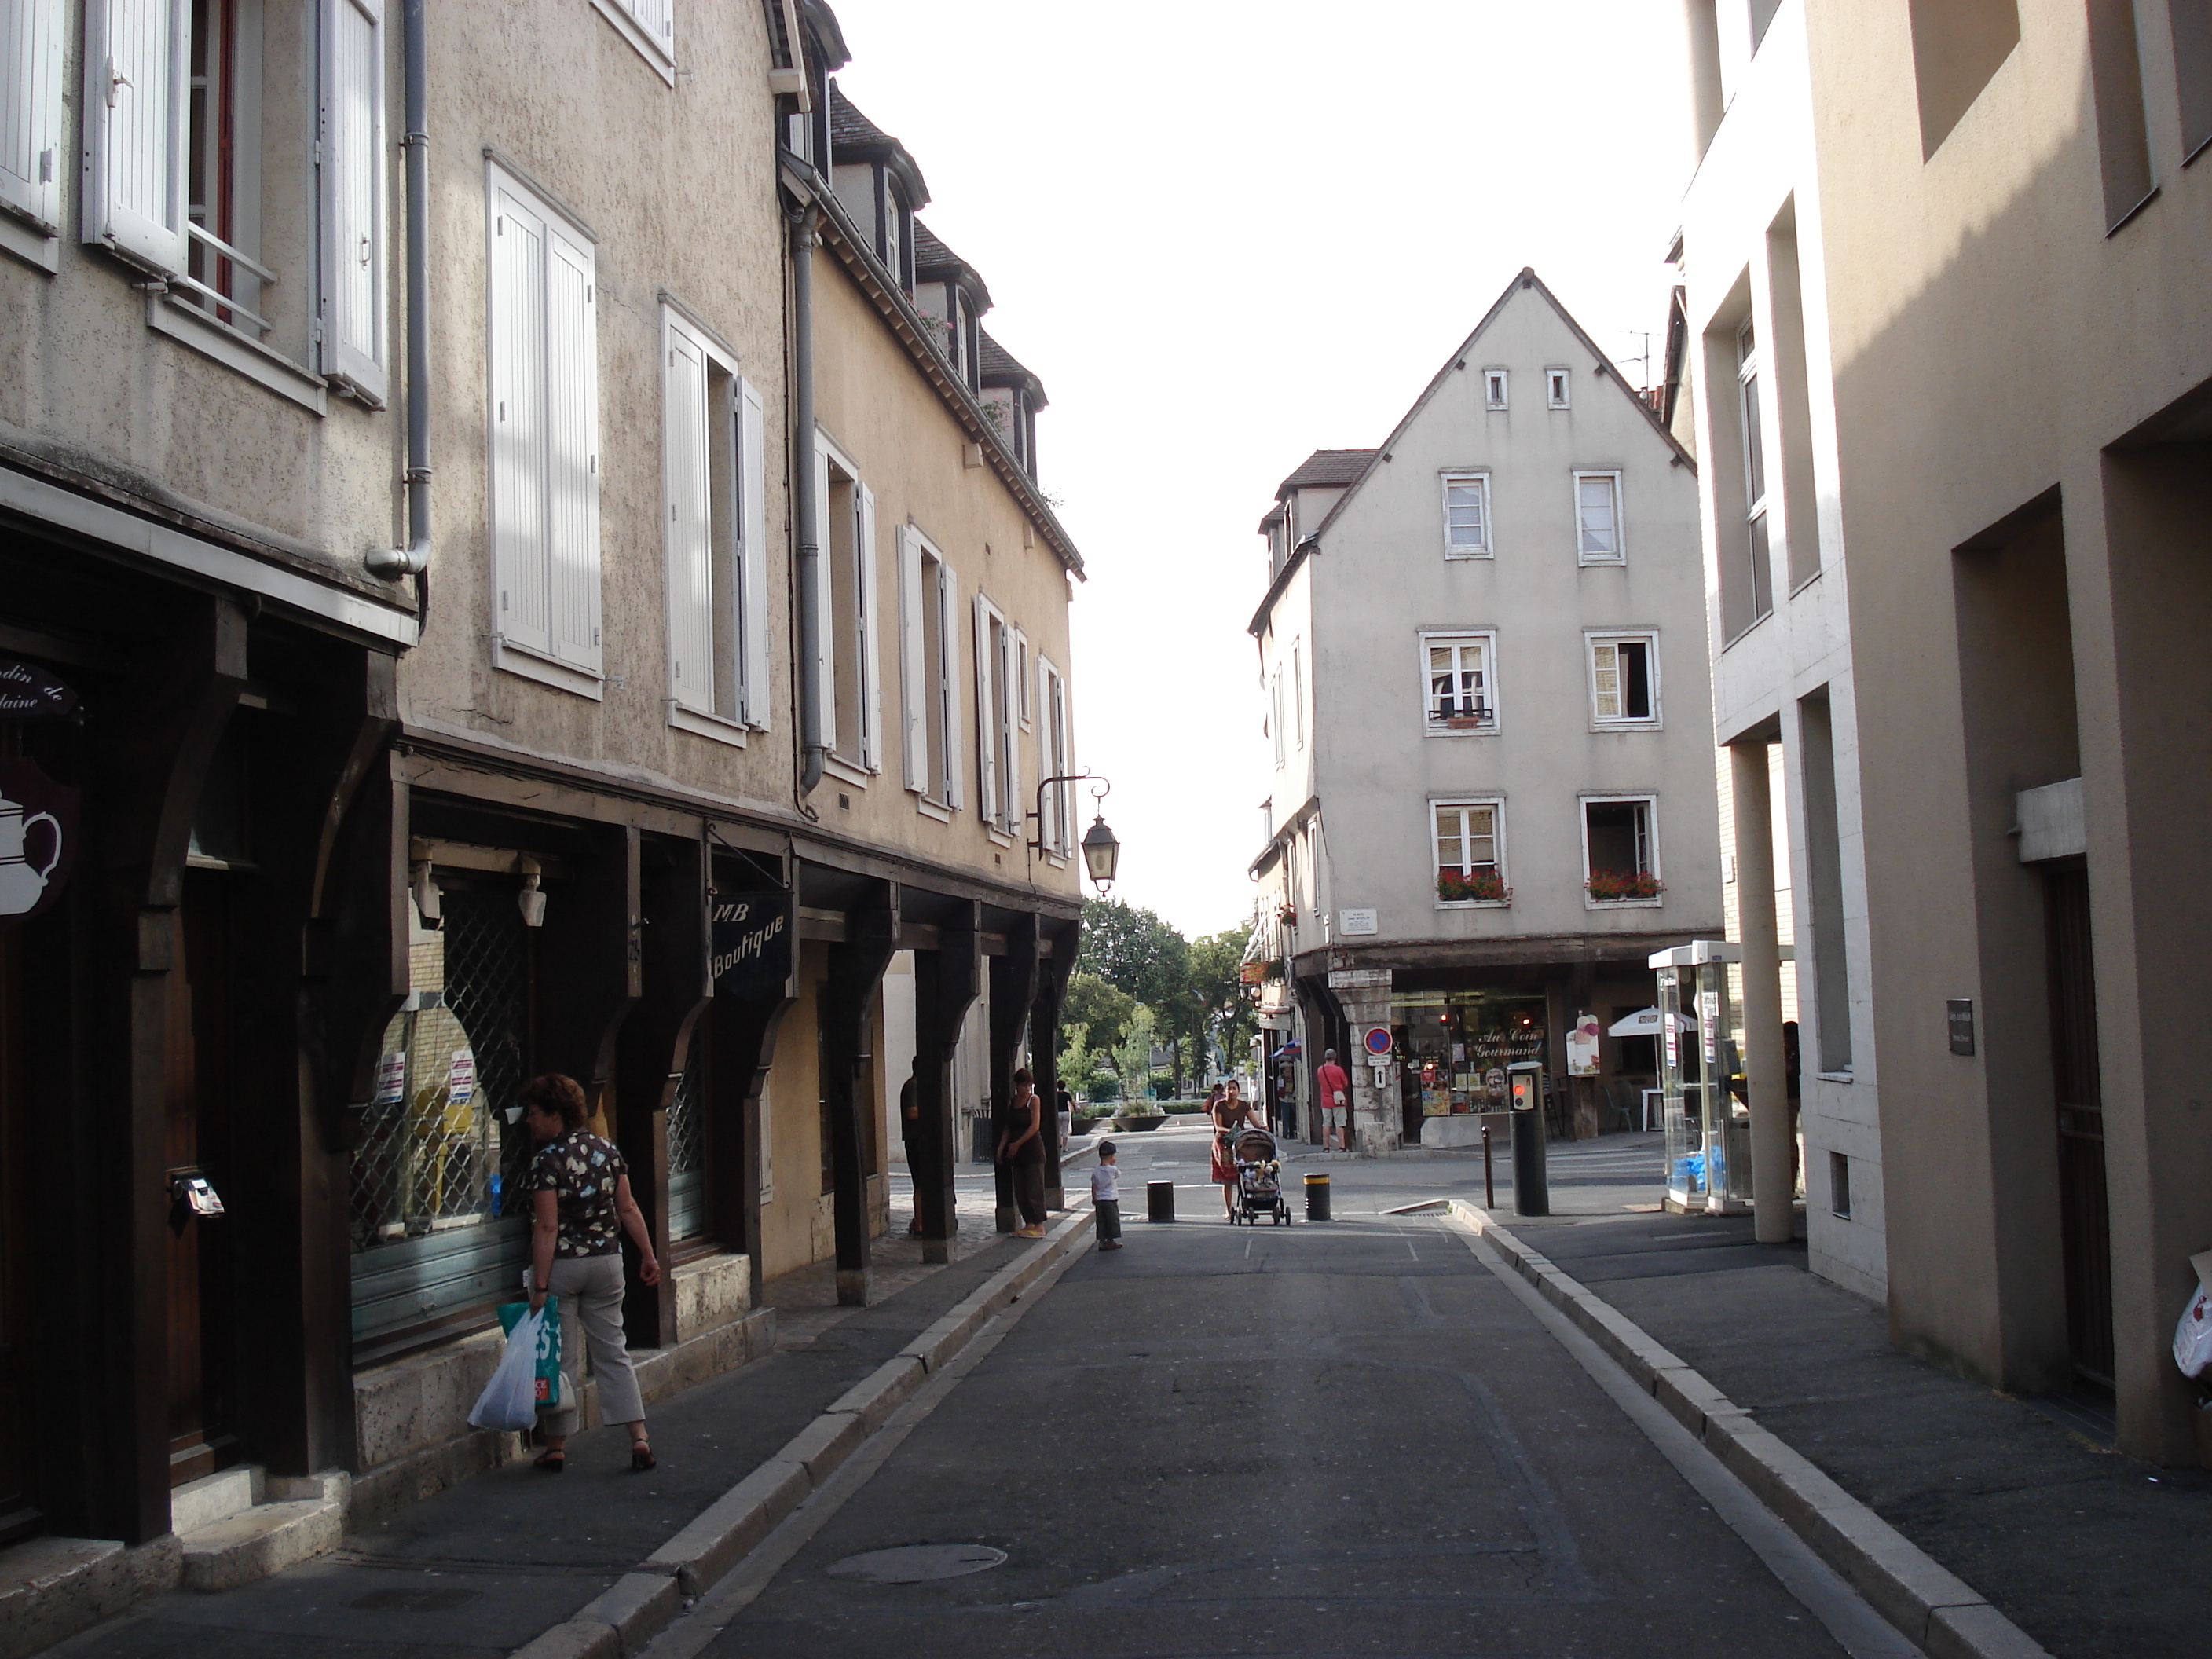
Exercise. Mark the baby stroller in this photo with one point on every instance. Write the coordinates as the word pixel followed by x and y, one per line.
pixel 1259 1180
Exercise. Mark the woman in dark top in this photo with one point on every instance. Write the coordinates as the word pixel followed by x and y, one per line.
pixel 1023 1146
pixel 1230 1112
pixel 581 1206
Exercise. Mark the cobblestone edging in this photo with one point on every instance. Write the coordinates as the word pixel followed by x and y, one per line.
pixel 642 1602
pixel 1946 1617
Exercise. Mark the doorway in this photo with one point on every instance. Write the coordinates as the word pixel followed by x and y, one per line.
pixel 2085 1223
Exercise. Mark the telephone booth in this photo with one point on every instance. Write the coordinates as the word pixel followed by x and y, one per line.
pixel 1708 1129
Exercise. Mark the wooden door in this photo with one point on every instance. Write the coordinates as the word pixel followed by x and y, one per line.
pixel 2084 1220
pixel 203 1391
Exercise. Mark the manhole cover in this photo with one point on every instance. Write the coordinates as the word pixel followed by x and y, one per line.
pixel 915 1564
pixel 401 1599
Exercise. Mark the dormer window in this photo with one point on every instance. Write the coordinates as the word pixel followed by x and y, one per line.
pixel 894 237
pixel 963 329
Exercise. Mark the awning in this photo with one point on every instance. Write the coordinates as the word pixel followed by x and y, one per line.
pixel 1644 1022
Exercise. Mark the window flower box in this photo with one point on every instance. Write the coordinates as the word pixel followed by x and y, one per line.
pixel 1473 887
pixel 1623 886
pixel 1287 914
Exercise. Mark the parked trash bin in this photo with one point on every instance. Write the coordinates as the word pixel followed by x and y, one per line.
pixel 983 1148
pixel 1159 1201
pixel 1317 1198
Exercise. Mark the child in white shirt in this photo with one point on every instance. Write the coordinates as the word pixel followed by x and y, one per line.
pixel 1106 1197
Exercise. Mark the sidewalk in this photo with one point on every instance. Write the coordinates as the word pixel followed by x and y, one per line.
pixel 483 1567
pixel 2090 1552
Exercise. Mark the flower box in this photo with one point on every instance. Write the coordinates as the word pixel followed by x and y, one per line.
pixel 1623 886
pixel 1472 886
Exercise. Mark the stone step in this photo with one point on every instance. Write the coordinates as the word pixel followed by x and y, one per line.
pixel 215 1498
pixel 257 1542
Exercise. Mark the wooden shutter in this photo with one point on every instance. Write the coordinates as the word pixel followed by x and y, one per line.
pixel 867 642
pixel 913 662
pixel 1009 786
pixel 522 599
pixel 135 106
pixel 987 716
pixel 752 519
pixel 572 445
pixel 355 304
pixel 948 685
pixel 1064 760
pixel 30 109
pixel 1605 671
pixel 690 524
pixel 825 607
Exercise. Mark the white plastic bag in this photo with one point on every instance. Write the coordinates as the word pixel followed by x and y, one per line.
pixel 2192 1337
pixel 510 1399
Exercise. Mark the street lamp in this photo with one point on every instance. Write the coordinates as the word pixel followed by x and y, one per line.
pixel 1101 852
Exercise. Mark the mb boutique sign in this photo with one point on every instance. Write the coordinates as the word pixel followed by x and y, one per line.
pixel 750 938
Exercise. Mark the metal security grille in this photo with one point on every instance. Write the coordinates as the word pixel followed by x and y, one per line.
pixel 687 1145
pixel 488 985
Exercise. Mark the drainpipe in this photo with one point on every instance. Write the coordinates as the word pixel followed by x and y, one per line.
pixel 805 510
pixel 414 559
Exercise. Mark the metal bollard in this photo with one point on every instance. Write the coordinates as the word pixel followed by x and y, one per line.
pixel 1532 1192
pixel 1159 1201
pixel 1317 1198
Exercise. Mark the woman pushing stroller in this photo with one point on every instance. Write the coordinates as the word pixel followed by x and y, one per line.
pixel 1230 1112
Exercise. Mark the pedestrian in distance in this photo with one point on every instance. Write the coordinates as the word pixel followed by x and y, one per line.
pixel 910 1138
pixel 1106 1197
pixel 1336 1088
pixel 1231 1112
pixel 1021 1148
pixel 581 1207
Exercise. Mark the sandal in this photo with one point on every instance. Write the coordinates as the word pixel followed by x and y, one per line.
pixel 552 1462
pixel 641 1457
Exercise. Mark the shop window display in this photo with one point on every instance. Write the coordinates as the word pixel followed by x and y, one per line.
pixel 1454 1047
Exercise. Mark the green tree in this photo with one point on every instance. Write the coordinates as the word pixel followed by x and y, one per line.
pixel 1132 1056
pixel 1216 964
pixel 1143 957
pixel 1103 1009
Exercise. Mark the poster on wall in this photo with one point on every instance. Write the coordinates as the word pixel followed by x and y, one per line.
pixel 1582 1047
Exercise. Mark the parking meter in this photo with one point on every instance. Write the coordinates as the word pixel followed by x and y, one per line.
pixel 1532 1191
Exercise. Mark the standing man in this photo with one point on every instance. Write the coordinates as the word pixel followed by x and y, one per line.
pixel 1335 1087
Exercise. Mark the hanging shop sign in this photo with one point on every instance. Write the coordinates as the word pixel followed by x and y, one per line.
pixel 38 839
pixel 28 694
pixel 750 936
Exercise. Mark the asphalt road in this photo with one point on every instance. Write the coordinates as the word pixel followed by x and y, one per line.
pixel 1329 1439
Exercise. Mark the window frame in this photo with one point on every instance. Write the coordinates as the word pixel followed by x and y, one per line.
pixel 1425 640
pixel 1648 638
pixel 659 53
pixel 1751 426
pixel 1649 799
pixel 1497 388
pixel 1479 476
pixel 31 200
pixel 1620 554
pixel 1558 386
pixel 1055 755
pixel 1298 692
pixel 1496 803
pixel 997 737
pixel 864 761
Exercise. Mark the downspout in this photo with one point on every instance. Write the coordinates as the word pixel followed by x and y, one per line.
pixel 805 510
pixel 414 559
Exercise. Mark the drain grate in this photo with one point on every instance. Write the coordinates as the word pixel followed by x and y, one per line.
pixel 916 1564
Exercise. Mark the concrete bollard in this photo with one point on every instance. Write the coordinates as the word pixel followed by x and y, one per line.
pixel 1317 1198
pixel 1159 1201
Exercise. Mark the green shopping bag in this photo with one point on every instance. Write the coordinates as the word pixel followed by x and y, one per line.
pixel 549 1346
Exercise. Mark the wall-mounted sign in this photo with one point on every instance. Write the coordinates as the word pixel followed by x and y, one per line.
pixel 38 839
pixel 1378 1042
pixel 28 693
pixel 461 1079
pixel 750 938
pixel 1354 923
pixel 1959 1013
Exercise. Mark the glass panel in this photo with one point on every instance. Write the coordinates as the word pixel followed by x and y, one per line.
pixel 1598 526
pixel 1464 514
pixel 1754 445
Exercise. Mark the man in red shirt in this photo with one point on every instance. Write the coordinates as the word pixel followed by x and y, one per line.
pixel 1336 1101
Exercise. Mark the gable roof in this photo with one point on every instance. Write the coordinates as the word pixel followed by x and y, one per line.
pixel 1325 468
pixel 852 135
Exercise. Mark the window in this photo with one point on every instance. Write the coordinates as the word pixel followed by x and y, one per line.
pixel 998 751
pixel 852 714
pixel 1493 387
pixel 1276 726
pixel 1597 517
pixel 1298 692
pixel 963 326
pixel 1055 759
pixel 1839 1186
pixel 1619 856
pixel 713 472
pixel 1022 677
pixel 174 176
pixel 1555 387
pixel 649 25
pixel 1754 470
pixel 1470 863
pixel 545 440
pixel 929 632
pixel 1460 682
pixel 1466 515
pixel 1624 679
pixel 31 154
pixel 896 239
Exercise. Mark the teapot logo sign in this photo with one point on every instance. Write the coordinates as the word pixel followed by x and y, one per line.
pixel 38 839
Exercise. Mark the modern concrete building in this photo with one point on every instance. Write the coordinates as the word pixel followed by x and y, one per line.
pixel 1483 646
pixel 505 576
pixel 2004 270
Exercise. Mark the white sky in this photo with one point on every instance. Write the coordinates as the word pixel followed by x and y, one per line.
pixel 1226 234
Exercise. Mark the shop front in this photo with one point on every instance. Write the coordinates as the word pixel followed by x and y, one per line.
pixel 1454 1048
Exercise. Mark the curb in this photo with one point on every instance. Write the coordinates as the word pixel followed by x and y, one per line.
pixel 638 1607
pixel 1930 1605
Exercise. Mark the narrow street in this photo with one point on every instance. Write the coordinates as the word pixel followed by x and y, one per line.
pixel 1349 1439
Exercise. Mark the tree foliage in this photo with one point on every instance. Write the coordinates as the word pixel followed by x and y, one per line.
pixel 1190 991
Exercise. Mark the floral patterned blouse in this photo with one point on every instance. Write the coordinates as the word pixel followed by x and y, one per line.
pixel 581 1170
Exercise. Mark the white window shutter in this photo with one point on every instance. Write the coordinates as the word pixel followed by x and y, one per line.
pixel 913 662
pixel 355 303
pixel 869 643
pixel 1064 724
pixel 752 517
pixel 987 719
pixel 572 434
pixel 522 601
pixel 1010 804
pixel 31 110
pixel 949 712
pixel 135 106
pixel 825 619
pixel 690 524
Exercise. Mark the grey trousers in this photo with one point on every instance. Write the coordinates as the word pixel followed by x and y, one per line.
pixel 591 1292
